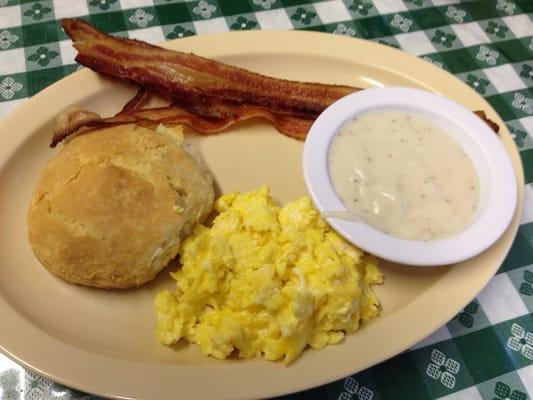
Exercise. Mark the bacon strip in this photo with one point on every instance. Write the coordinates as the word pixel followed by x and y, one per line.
pixel 208 96
pixel 289 125
pixel 180 76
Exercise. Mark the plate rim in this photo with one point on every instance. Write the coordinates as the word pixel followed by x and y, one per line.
pixel 295 380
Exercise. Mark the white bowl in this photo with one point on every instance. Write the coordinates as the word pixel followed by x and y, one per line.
pixel 498 187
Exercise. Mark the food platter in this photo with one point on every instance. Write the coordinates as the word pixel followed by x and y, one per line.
pixel 103 342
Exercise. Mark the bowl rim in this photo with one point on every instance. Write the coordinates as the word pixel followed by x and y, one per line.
pixel 498 184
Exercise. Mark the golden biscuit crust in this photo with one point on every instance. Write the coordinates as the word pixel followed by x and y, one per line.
pixel 111 208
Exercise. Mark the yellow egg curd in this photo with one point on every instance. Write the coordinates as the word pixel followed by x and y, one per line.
pixel 265 280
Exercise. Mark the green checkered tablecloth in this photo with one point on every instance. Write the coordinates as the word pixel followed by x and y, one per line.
pixel 486 351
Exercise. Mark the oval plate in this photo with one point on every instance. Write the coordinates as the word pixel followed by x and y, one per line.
pixel 103 342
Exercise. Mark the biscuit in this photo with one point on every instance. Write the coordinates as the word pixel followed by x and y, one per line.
pixel 111 209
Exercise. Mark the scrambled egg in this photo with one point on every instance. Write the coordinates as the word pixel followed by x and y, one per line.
pixel 265 280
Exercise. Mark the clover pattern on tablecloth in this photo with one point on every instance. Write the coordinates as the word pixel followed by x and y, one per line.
pixel 10 385
pixel 360 7
pixel 442 368
pixel 36 387
pixel 401 22
pixel 477 83
pixel 526 287
pixel 519 136
pixel 456 14
pixel 37 11
pixel 496 29
pixel 443 38
pixel 141 18
pixel 527 72
pixel 503 391
pixel 467 316
pixel 243 24
pixel 304 16
pixel 103 5
pixel 265 4
pixel 506 6
pixel 43 56
pixel 521 341
pixel 179 32
pixel 523 103
pixel 487 55
pixel 60 392
pixel 9 87
pixel 342 29
pixel 354 391
pixel 7 39
pixel 204 9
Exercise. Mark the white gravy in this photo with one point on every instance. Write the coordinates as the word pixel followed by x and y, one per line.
pixel 403 175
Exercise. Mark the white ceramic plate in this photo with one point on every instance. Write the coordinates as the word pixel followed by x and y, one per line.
pixel 103 341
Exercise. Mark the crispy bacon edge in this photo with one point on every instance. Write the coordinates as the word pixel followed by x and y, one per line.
pixel 180 76
pixel 289 125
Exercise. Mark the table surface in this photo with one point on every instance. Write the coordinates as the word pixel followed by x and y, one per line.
pixel 486 351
